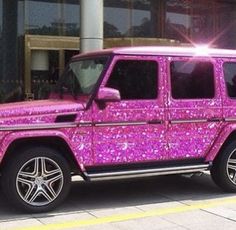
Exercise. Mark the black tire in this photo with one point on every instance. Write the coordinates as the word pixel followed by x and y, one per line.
pixel 222 171
pixel 37 179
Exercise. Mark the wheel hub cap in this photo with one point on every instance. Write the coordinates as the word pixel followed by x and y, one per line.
pixel 231 167
pixel 39 181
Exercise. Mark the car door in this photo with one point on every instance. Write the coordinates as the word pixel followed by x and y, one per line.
pixel 194 107
pixel 132 130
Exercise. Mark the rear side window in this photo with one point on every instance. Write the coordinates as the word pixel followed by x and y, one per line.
pixel 192 79
pixel 230 78
pixel 135 79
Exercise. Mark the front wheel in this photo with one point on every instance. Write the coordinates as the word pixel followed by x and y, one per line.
pixel 223 171
pixel 37 179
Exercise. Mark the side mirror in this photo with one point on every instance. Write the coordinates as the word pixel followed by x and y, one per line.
pixel 106 94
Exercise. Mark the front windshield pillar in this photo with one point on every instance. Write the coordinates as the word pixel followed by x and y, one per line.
pixel 81 76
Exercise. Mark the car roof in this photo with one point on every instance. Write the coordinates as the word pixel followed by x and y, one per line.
pixel 200 51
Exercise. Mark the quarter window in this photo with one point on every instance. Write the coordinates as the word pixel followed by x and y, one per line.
pixel 135 79
pixel 230 78
pixel 192 79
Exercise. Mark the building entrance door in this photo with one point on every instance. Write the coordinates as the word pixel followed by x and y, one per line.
pixel 45 60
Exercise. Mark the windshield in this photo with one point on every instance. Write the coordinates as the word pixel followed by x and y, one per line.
pixel 80 77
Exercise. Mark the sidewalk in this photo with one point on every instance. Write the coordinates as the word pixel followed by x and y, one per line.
pixel 167 202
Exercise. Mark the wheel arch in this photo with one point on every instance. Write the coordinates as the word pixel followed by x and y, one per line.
pixel 55 142
pixel 231 137
pixel 227 135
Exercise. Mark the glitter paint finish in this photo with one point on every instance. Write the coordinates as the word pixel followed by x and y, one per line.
pixel 226 130
pixel 229 103
pixel 193 139
pixel 129 143
pixel 79 139
pixel 134 142
pixel 229 111
pixel 132 131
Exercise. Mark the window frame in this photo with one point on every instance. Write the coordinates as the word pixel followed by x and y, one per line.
pixel 225 85
pixel 191 59
pixel 159 81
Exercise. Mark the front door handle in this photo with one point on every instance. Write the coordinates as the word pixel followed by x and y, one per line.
pixel 214 119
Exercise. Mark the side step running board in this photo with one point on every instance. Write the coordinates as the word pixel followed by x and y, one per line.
pixel 146 172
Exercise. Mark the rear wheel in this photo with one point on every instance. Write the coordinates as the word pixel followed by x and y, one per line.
pixel 37 179
pixel 223 171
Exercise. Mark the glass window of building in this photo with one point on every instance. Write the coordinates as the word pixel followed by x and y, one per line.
pixel 203 21
pixel 1 16
pixel 131 18
pixel 116 18
pixel 21 17
pixel 185 21
pixel 60 17
pixel 191 21
pixel 10 59
pixel 177 20
pixel 226 24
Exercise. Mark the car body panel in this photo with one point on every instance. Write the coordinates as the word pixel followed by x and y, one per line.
pixel 129 132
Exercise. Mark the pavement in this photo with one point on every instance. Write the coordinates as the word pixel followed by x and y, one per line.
pixel 165 202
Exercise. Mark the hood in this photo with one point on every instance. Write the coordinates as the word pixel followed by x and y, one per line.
pixel 39 108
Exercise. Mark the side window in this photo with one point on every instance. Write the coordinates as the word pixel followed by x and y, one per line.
pixel 192 79
pixel 230 78
pixel 135 79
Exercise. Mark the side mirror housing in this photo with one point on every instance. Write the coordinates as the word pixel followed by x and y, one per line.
pixel 106 94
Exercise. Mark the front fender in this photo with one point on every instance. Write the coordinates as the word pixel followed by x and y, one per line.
pixel 220 140
pixel 19 135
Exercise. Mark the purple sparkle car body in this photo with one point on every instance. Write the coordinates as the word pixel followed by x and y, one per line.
pixel 124 112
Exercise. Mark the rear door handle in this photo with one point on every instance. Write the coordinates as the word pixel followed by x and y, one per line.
pixel 155 122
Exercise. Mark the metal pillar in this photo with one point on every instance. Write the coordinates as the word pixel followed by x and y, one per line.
pixel 91 25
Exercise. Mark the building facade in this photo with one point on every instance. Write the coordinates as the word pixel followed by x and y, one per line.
pixel 38 37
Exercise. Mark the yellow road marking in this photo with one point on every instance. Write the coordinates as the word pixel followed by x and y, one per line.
pixel 132 216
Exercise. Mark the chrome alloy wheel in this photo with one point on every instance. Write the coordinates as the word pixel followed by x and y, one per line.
pixel 231 167
pixel 39 181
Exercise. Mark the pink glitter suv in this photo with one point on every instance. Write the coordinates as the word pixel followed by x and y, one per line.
pixel 125 112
